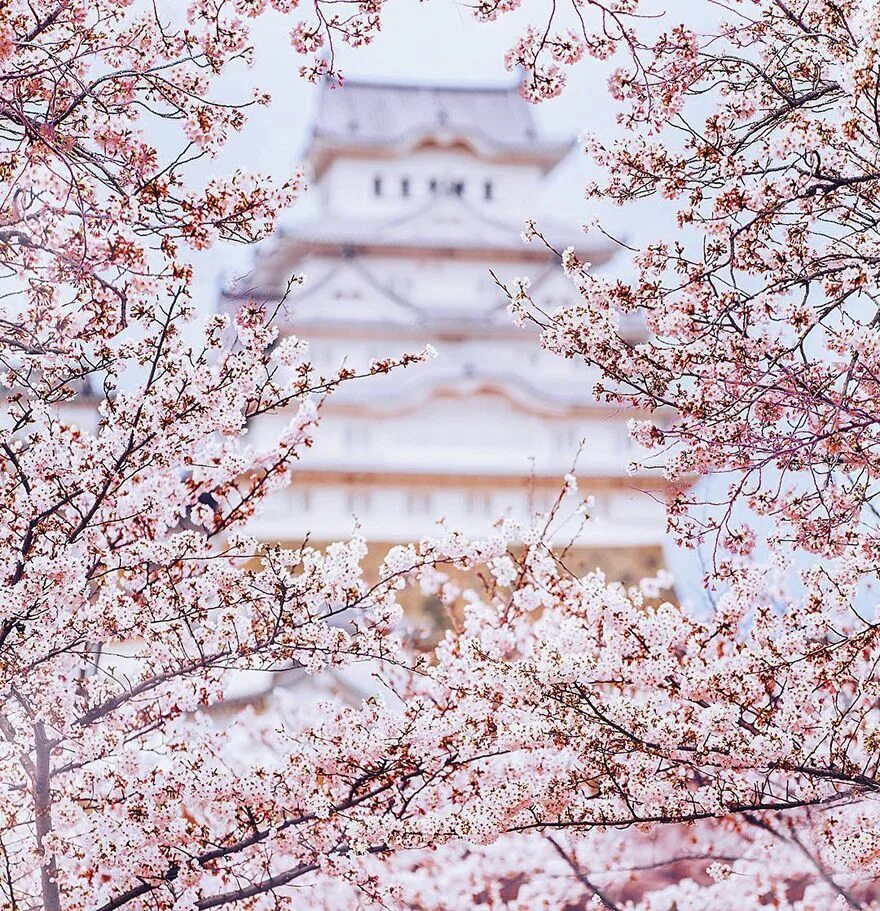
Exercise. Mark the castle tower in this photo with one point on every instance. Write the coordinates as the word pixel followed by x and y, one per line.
pixel 422 191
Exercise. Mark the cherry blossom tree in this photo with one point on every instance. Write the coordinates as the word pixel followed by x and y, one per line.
pixel 758 364
pixel 568 742
pixel 761 311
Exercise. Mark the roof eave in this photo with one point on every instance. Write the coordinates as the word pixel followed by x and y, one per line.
pixel 301 247
pixel 323 151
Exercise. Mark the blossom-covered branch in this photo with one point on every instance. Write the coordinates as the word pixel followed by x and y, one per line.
pixel 94 209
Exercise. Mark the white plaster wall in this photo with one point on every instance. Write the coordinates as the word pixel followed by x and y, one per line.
pixel 475 435
pixel 331 512
pixel 347 185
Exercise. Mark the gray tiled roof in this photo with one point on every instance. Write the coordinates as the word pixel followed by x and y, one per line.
pixel 378 114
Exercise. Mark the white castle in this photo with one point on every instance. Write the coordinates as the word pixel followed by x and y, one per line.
pixel 423 191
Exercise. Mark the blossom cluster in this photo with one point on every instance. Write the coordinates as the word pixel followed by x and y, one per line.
pixel 569 31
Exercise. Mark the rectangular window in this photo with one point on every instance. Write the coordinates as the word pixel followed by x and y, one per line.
pixel 477 502
pixel 418 502
pixel 357 501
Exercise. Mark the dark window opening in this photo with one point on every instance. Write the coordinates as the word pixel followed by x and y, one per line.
pixel 377 186
pixel 446 187
pixel 404 186
pixel 487 190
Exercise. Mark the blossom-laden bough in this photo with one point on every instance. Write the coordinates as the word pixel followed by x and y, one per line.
pixel 95 208
pixel 762 310
pixel 567 743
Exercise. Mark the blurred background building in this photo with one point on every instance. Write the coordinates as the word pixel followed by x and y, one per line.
pixel 423 190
